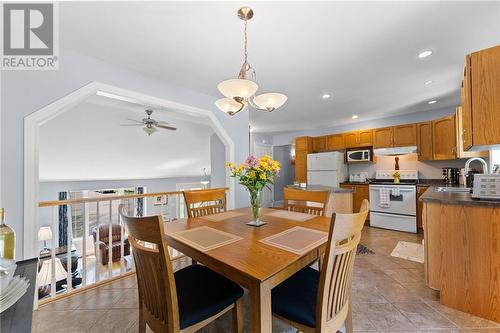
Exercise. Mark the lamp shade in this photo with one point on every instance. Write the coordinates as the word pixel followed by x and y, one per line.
pixel 228 105
pixel 44 234
pixel 45 274
pixel 270 101
pixel 150 130
pixel 238 88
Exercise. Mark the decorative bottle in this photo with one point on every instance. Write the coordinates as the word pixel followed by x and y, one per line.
pixel 7 238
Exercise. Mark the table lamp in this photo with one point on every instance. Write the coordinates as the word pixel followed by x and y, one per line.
pixel 45 234
pixel 45 274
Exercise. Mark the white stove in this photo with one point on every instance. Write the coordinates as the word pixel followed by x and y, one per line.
pixel 394 205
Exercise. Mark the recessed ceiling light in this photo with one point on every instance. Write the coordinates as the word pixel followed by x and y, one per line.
pixel 355 116
pixel 428 82
pixel 432 102
pixel 326 96
pixel 424 54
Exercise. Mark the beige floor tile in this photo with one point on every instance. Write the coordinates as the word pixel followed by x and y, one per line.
pixel 116 321
pixel 422 291
pixel 129 300
pixel 385 316
pixel 65 321
pixel 65 304
pixel 395 292
pixel 403 275
pixel 360 321
pixel 461 319
pixel 423 316
pixel 100 298
pixel 367 296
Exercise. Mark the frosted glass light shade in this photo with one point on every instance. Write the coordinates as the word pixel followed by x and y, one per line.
pixel 228 105
pixel 270 100
pixel 149 130
pixel 45 234
pixel 238 88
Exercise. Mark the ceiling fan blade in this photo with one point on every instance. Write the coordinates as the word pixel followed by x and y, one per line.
pixel 167 127
pixel 135 120
pixel 161 122
pixel 141 124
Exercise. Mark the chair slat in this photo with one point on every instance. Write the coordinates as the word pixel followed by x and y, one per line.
pixel 309 202
pixel 205 202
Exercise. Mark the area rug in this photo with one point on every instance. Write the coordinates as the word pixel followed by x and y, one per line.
pixel 363 250
pixel 409 251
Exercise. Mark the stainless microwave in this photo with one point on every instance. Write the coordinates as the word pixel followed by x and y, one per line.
pixel 362 155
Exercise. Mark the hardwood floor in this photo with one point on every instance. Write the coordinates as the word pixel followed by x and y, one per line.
pixel 389 295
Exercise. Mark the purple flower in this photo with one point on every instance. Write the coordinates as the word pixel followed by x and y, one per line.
pixel 251 162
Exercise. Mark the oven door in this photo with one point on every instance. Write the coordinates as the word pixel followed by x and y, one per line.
pixel 407 204
pixel 394 222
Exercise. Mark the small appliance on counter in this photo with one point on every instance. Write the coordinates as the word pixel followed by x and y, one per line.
pixel 451 176
pixel 360 155
pixel 486 186
pixel 358 177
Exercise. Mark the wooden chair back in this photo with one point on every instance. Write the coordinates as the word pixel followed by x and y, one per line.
pixel 158 305
pixel 309 202
pixel 205 202
pixel 335 278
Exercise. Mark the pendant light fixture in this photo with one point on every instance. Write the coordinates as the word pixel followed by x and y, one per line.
pixel 240 92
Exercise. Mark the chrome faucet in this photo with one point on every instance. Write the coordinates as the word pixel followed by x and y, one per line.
pixel 470 160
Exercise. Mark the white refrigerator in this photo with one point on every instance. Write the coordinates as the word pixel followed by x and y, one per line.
pixel 327 169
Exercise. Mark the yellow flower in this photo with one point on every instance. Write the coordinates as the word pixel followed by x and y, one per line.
pixel 251 175
pixel 263 176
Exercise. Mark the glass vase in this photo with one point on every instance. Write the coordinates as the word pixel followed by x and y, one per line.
pixel 255 201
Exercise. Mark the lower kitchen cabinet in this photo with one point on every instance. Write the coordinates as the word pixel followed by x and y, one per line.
pixel 420 206
pixel 359 193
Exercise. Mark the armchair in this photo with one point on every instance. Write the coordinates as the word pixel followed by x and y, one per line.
pixel 103 243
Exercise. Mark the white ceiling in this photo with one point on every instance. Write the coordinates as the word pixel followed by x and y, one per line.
pixel 363 53
pixel 88 143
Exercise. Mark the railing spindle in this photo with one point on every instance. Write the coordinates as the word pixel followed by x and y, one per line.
pixel 97 245
pixel 69 243
pixel 84 243
pixel 110 240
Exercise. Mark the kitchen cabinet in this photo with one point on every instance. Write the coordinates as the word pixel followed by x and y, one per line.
pixel 319 144
pixel 424 141
pixel 420 205
pixel 465 133
pixel 359 193
pixel 303 146
pixel 405 135
pixel 358 139
pixel 444 143
pixel 461 137
pixel 335 142
pixel 383 137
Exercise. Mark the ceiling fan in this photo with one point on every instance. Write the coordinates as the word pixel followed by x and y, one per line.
pixel 150 125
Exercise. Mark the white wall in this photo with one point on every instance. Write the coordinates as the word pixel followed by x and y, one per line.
pixel 24 92
pixel 217 162
pixel 279 139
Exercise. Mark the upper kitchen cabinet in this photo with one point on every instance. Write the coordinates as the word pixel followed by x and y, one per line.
pixel 383 137
pixel 465 132
pixel 424 141
pixel 405 135
pixel 444 141
pixel 319 144
pixel 303 143
pixel 303 146
pixel 462 140
pixel 481 94
pixel 335 142
pixel 358 139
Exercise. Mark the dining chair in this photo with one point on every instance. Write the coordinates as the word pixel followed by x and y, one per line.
pixel 320 301
pixel 184 301
pixel 205 202
pixel 309 202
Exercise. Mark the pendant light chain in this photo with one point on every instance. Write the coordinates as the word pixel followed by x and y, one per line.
pixel 246 42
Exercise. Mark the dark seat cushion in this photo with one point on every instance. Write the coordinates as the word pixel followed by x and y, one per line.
pixel 295 298
pixel 202 293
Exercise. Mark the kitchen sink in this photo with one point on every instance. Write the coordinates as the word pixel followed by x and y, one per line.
pixel 453 189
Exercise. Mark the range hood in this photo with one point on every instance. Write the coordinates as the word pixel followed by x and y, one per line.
pixel 394 151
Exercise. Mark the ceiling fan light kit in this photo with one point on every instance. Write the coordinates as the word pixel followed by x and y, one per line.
pixel 241 92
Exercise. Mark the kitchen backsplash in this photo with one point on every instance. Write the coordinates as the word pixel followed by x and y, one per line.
pixel 427 169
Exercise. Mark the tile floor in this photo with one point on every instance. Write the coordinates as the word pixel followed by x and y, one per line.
pixel 389 295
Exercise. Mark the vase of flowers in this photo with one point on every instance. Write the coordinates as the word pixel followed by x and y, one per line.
pixel 255 174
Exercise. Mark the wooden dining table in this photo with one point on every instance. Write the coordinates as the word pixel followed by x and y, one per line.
pixel 256 266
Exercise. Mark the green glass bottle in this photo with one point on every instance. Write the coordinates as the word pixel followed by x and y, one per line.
pixel 7 238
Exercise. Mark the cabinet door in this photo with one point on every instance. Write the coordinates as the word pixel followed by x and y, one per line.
pixel 303 143
pixel 365 138
pixel 351 140
pixel 424 141
pixel 466 117
pixel 485 96
pixel 444 144
pixel 405 135
pixel 301 166
pixel 361 192
pixel 420 205
pixel 383 137
pixel 459 115
pixel 335 142
pixel 319 144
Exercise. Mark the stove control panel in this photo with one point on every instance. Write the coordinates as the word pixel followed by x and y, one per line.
pixel 405 174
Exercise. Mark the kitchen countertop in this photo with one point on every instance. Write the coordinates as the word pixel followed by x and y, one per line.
pixel 321 188
pixel 455 198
